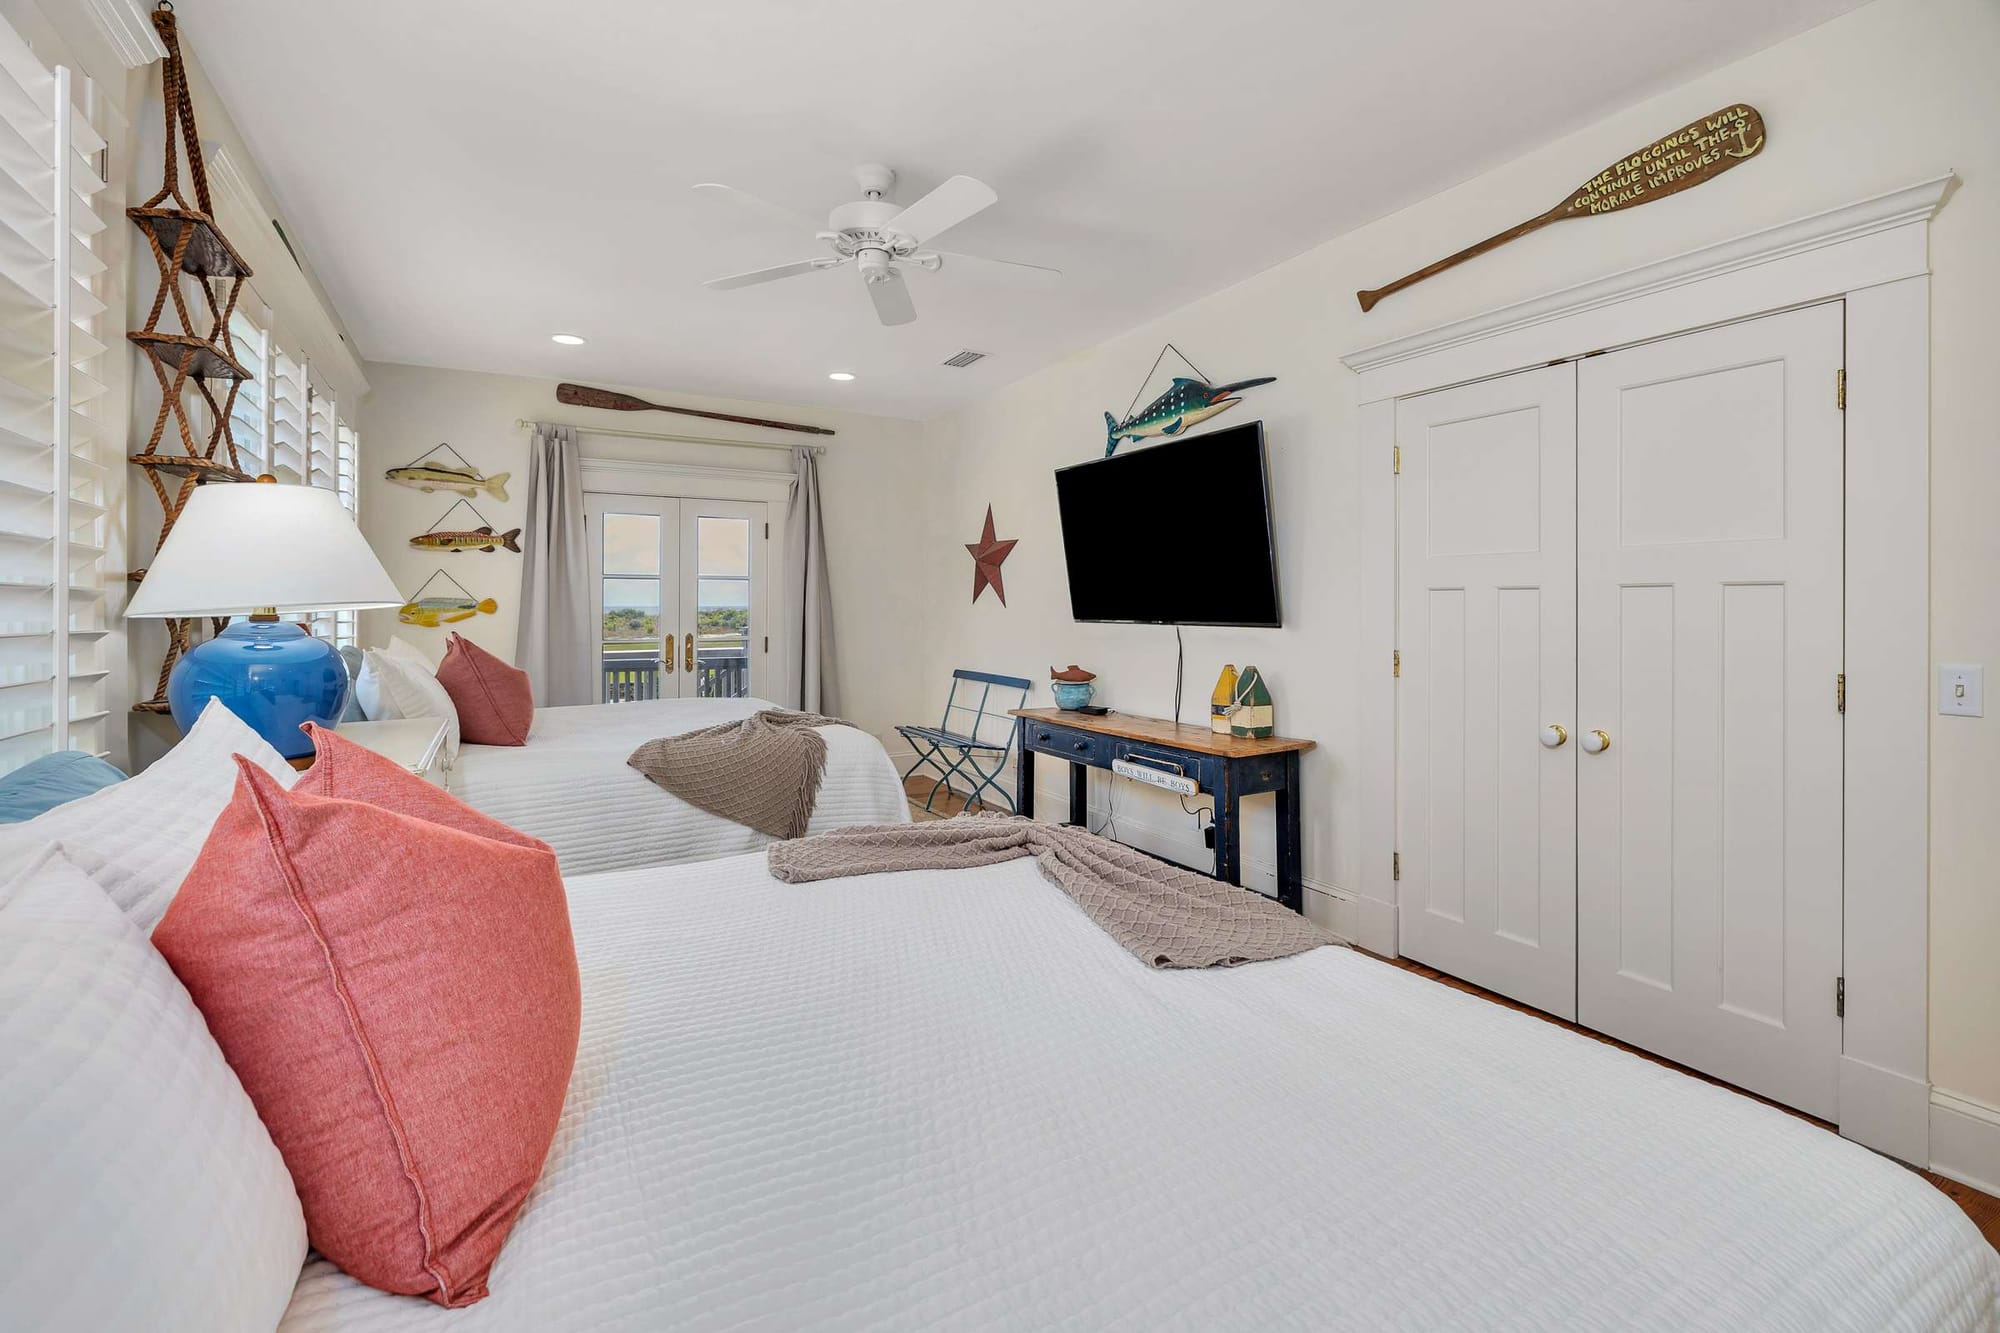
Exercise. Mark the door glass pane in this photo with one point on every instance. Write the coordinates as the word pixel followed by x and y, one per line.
pixel 631 637
pixel 632 544
pixel 722 608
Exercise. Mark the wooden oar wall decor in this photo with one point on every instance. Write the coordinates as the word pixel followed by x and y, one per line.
pixel 1698 151
pixel 582 395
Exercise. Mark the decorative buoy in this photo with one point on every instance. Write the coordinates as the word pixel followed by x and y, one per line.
pixel 1222 700
pixel 1252 717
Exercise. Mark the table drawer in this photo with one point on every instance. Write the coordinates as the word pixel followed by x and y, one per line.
pixel 1168 760
pixel 1082 747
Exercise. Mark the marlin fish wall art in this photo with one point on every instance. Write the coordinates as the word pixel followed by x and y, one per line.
pixel 1185 403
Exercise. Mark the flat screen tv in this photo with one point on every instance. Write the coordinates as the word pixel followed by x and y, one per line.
pixel 1177 533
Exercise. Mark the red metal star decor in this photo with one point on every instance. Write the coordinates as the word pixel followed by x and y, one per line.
pixel 987 553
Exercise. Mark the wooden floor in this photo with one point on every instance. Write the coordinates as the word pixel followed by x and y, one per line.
pixel 946 804
pixel 1983 1209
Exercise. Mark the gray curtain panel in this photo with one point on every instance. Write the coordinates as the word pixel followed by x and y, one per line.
pixel 807 591
pixel 553 641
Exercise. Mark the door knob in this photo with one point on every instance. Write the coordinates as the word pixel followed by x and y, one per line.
pixel 1596 742
pixel 1554 734
pixel 687 663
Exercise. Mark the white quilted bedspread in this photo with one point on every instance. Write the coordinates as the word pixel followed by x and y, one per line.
pixel 946 1101
pixel 571 787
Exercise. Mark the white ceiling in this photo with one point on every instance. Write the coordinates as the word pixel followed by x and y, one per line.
pixel 468 178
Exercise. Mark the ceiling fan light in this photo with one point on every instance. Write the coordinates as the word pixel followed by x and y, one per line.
pixel 566 339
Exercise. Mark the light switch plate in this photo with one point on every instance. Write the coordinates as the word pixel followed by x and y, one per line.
pixel 1962 690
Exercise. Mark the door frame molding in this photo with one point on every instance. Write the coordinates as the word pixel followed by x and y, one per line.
pixel 1873 254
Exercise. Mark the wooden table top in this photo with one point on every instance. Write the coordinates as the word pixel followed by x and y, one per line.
pixel 1159 731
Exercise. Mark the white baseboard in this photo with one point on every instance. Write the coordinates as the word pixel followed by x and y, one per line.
pixel 1886 1111
pixel 1965 1141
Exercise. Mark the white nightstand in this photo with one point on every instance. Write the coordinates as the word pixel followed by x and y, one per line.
pixel 417 743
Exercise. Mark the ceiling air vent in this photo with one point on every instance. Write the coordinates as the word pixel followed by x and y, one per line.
pixel 964 359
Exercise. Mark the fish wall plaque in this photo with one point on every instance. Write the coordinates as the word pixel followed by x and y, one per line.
pixel 444 608
pixel 485 537
pixel 1188 401
pixel 474 539
pixel 460 477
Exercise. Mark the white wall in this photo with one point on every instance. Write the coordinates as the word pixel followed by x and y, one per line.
pixel 873 479
pixel 1883 97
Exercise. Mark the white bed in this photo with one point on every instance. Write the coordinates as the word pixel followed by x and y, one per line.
pixel 571 787
pixel 949 1101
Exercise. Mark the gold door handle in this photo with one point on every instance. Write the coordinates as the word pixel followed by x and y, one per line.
pixel 667 658
pixel 688 664
pixel 1554 734
pixel 1596 742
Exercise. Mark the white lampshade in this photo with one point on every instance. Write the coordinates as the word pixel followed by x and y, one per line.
pixel 239 548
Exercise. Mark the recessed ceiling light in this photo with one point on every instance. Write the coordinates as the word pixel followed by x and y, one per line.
pixel 840 375
pixel 566 339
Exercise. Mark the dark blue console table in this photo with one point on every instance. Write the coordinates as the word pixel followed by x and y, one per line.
pixel 1227 768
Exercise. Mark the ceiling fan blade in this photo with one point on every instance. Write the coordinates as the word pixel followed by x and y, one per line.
pixel 758 203
pixel 943 208
pixel 755 276
pixel 1008 263
pixel 892 299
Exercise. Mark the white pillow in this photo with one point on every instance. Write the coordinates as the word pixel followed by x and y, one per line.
pixel 142 1190
pixel 138 838
pixel 415 692
pixel 377 704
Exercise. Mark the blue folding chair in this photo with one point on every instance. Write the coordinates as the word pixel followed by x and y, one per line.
pixel 980 735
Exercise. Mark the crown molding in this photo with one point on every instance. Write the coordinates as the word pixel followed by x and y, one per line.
pixel 130 31
pixel 1883 212
pixel 277 277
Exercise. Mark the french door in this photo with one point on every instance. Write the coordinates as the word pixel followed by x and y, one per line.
pixel 680 585
pixel 1619 749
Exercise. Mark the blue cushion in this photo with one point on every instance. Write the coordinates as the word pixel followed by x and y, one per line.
pixel 51 780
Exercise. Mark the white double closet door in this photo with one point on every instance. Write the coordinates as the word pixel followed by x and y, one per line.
pixel 1619 741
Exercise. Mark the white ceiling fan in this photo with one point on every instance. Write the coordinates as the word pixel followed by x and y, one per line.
pixel 876 236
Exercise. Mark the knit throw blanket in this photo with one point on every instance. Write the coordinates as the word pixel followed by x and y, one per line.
pixel 1166 916
pixel 763 771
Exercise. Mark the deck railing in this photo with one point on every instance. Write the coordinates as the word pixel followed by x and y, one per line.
pixel 633 675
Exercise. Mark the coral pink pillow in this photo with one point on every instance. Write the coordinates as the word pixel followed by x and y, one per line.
pixel 397 990
pixel 495 702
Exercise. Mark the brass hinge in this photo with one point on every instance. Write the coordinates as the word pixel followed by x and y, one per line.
pixel 1396 662
pixel 1840 692
pixel 1396 460
pixel 1840 388
pixel 1395 865
pixel 1840 997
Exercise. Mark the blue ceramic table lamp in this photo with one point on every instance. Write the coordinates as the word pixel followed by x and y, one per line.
pixel 261 551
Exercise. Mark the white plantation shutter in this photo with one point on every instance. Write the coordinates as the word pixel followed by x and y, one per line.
pixel 320 430
pixel 288 416
pixel 249 416
pixel 55 420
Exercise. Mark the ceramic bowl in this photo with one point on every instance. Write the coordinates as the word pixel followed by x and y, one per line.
pixel 1072 694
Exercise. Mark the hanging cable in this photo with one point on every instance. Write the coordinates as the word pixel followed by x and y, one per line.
pixel 1180 666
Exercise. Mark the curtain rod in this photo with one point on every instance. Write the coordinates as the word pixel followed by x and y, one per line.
pixel 524 424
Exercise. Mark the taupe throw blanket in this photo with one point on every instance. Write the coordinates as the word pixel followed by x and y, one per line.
pixel 764 771
pixel 1166 916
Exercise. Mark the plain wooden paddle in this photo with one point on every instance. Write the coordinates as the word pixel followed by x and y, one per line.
pixel 1690 155
pixel 580 395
